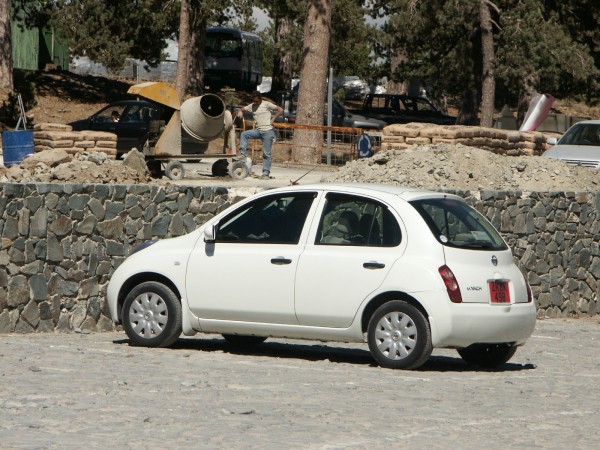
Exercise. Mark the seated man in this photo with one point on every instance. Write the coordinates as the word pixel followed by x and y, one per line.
pixel 344 231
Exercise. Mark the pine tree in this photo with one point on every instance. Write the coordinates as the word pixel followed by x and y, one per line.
pixel 538 46
pixel 311 94
pixel 6 66
pixel 108 31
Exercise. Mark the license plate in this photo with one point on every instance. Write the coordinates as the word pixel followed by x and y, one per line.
pixel 499 292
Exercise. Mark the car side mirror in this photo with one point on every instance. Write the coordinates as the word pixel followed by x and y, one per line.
pixel 552 141
pixel 210 233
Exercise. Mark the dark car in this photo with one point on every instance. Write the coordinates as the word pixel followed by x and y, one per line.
pixel 395 108
pixel 341 117
pixel 136 123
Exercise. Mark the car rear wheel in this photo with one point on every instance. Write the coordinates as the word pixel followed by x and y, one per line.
pixel 151 315
pixel 487 355
pixel 244 341
pixel 399 336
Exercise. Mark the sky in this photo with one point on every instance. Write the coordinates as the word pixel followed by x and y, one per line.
pixel 261 17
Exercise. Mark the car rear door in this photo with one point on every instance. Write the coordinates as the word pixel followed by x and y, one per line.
pixel 349 252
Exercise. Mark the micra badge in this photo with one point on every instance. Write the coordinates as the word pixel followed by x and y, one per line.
pixel 494 260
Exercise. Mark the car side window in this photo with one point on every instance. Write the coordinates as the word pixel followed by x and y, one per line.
pixel 110 114
pixel 356 221
pixel 276 219
pixel 132 114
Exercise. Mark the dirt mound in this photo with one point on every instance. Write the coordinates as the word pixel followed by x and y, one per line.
pixel 56 166
pixel 444 166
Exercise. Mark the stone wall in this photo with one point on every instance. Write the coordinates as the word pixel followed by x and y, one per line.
pixel 60 244
pixel 555 236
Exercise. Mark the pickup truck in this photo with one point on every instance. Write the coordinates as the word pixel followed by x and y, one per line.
pixel 396 108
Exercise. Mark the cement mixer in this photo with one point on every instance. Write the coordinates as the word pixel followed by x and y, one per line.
pixel 202 119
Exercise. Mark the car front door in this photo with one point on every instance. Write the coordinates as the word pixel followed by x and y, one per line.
pixel 357 240
pixel 248 273
pixel 133 126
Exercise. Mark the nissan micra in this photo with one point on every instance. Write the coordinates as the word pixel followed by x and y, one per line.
pixel 402 269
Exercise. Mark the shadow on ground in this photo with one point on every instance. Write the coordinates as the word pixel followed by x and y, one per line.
pixel 322 352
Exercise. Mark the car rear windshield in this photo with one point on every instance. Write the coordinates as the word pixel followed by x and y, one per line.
pixel 456 224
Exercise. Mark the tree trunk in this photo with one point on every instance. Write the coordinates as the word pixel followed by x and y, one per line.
pixel 197 40
pixel 6 65
pixel 308 144
pixel 526 93
pixel 488 81
pixel 468 107
pixel 396 85
pixel 181 83
pixel 282 60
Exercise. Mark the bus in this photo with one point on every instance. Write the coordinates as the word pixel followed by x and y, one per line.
pixel 232 58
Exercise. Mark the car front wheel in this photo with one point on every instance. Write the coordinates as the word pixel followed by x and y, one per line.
pixel 151 315
pixel 487 355
pixel 399 336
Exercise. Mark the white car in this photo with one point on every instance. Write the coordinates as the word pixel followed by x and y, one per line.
pixel 403 269
pixel 580 145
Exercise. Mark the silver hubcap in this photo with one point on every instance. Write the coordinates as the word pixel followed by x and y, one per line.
pixel 396 335
pixel 148 315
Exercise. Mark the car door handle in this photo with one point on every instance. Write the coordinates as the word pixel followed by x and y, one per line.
pixel 280 261
pixel 373 265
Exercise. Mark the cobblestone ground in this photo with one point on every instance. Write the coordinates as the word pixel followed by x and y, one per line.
pixel 71 391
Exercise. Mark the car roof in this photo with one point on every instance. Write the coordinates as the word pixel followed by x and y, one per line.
pixel 130 102
pixel 588 122
pixel 407 193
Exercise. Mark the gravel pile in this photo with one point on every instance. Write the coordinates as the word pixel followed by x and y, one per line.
pixel 56 166
pixel 445 166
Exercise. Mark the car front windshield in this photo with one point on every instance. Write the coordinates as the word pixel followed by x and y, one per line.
pixel 456 224
pixel 582 134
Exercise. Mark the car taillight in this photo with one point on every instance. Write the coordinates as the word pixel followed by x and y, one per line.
pixel 451 284
pixel 527 285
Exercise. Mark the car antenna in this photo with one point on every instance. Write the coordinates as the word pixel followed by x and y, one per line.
pixel 295 182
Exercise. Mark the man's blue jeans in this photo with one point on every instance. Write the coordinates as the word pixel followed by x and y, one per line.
pixel 267 138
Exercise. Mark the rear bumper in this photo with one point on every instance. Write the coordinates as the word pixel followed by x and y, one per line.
pixel 468 324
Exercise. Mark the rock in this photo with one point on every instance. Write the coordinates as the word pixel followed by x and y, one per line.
pixel 50 158
pixel 136 161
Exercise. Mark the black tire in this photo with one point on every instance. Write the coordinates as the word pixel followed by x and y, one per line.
pixel 220 168
pixel 244 341
pixel 399 336
pixel 155 168
pixel 175 170
pixel 487 355
pixel 151 315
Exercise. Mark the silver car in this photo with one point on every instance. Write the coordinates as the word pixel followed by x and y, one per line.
pixel 580 145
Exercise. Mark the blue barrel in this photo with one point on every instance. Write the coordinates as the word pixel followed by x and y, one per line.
pixel 16 145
